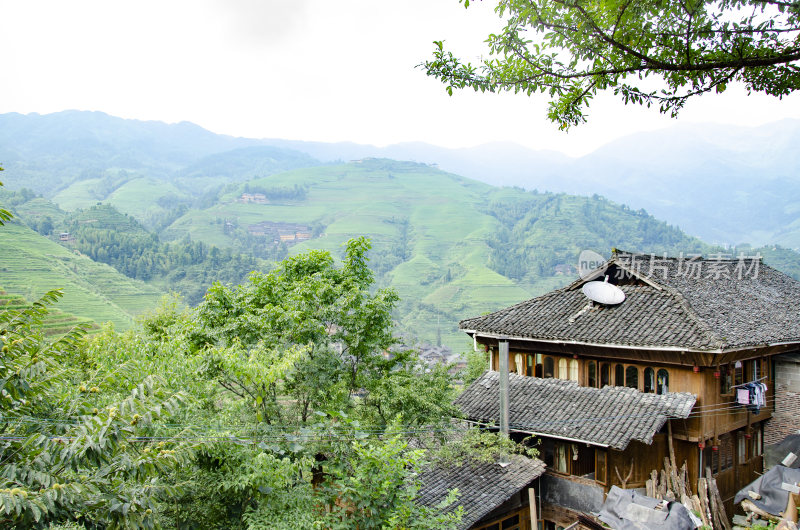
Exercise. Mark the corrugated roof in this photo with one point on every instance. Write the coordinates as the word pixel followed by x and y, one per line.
pixel 610 416
pixel 482 487
pixel 697 304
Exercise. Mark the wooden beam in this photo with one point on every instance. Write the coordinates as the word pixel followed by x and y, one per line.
pixel 534 513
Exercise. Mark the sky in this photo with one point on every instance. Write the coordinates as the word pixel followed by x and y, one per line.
pixel 318 70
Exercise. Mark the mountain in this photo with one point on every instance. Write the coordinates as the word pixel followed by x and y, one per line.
pixel 724 184
pixel 145 168
pixel 451 246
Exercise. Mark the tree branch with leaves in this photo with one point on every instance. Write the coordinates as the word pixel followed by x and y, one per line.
pixel 651 53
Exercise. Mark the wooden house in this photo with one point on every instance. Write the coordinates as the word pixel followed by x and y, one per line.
pixel 611 389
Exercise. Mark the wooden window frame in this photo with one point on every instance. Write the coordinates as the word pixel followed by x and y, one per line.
pixel 544 367
pixel 589 377
pixel 563 368
pixel 610 380
pixel 658 386
pixel 652 379
pixel 628 369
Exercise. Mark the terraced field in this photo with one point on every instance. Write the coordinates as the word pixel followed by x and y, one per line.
pixel 56 323
pixel 31 264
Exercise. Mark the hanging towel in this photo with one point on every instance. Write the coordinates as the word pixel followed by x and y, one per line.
pixel 743 396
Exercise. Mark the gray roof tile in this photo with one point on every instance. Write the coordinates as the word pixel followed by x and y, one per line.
pixel 609 416
pixel 482 487
pixel 719 304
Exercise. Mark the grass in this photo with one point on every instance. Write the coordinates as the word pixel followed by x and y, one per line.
pixel 31 264
pixel 138 197
pixel 81 194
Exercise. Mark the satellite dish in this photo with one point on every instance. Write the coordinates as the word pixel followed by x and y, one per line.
pixel 603 292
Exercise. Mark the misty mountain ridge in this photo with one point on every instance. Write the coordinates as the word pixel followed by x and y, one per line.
pixel 725 184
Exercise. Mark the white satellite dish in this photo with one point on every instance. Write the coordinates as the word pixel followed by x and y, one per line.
pixel 603 292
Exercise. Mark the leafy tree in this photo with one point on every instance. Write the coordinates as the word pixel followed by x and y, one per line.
pixel 308 303
pixel 71 451
pixel 372 485
pixel 571 49
pixel 477 361
pixel 410 393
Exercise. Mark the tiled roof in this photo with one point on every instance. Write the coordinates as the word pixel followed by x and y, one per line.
pixel 482 487
pixel 700 304
pixel 611 416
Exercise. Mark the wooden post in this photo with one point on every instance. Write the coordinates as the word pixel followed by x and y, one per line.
pixel 534 512
pixel 671 447
pixel 504 387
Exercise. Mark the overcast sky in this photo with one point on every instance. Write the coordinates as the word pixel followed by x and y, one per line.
pixel 298 69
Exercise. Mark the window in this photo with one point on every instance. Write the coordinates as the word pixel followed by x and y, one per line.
pixel 591 374
pixel 619 375
pixel 738 373
pixel 549 367
pixel 539 370
pixel 713 460
pixel 560 462
pixel 529 365
pixel 605 375
pixel 649 380
pixel 741 448
pixel 573 370
pixel 571 459
pixel 725 452
pixel 632 377
pixel 662 381
pixel 725 380
pixel 562 369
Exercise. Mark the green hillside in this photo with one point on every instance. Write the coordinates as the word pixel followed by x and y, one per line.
pixel 56 322
pixel 31 264
pixel 451 246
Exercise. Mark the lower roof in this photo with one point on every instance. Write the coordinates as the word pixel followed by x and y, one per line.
pixel 609 417
pixel 481 486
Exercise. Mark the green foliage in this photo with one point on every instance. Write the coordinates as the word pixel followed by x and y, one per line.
pixel 477 361
pixel 543 230
pixel 105 235
pixel 410 393
pixel 5 215
pixel 70 451
pixel 32 264
pixel 480 445
pixel 371 486
pixel 572 50
pixel 307 304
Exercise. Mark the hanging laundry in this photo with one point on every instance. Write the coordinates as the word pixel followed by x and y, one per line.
pixel 742 396
pixel 754 390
